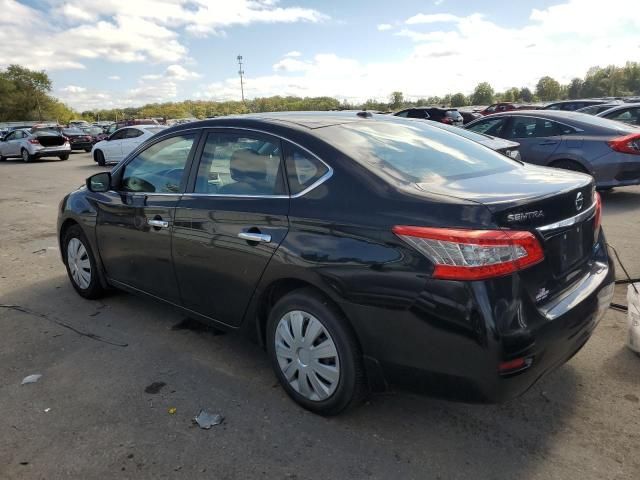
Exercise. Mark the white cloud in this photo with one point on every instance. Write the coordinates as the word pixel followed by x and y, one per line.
pixel 70 33
pixel 113 77
pixel 432 18
pixel 179 73
pixel 293 53
pixel 384 26
pixel 73 89
pixel 438 2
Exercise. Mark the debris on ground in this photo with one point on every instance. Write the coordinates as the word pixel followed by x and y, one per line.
pixel 154 388
pixel 47 410
pixel 31 378
pixel 206 420
pixel 172 410
pixel 196 326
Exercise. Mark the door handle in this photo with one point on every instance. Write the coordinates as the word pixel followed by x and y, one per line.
pixel 157 223
pixel 255 237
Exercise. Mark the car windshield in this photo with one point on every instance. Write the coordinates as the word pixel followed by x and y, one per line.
pixel 414 151
pixel 92 130
pixel 72 131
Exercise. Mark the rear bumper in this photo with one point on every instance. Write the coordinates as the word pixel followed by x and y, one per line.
pixel 81 145
pixel 451 340
pixel 617 170
pixel 51 151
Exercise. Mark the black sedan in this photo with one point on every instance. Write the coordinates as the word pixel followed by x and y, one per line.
pixel 362 251
pixel 78 139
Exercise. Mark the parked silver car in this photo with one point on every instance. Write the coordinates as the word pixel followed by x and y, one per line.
pixel 29 145
pixel 606 149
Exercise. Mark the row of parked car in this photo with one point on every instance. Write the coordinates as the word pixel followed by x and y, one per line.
pixel 600 137
pixel 53 140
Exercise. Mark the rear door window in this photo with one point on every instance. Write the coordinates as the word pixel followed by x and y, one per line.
pixel 133 133
pixel 247 164
pixel 303 169
pixel 422 114
pixel 530 127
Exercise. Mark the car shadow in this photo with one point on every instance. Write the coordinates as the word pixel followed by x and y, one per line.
pixel 397 434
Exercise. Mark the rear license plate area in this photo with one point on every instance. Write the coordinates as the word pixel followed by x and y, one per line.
pixel 570 247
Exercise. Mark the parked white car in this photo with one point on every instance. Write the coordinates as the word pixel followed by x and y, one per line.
pixel 122 142
pixel 23 143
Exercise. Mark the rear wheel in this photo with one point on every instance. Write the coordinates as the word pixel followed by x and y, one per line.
pixel 81 263
pixel 314 353
pixel 64 157
pixel 87 150
pixel 98 156
pixel 569 165
pixel 26 156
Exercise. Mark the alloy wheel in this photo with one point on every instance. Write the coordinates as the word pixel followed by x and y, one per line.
pixel 307 355
pixel 79 263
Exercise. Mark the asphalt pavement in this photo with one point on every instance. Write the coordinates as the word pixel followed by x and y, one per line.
pixel 89 416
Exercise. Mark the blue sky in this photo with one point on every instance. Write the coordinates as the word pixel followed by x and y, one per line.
pixel 106 53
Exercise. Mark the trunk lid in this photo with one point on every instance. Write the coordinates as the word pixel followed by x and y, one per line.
pixel 50 139
pixel 557 206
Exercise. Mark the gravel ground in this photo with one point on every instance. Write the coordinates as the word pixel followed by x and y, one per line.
pixel 89 416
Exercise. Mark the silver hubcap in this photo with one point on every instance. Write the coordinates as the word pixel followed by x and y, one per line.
pixel 25 155
pixel 307 355
pixel 79 264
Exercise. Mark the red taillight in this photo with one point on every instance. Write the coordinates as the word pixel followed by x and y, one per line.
pixel 627 144
pixel 34 141
pixel 514 365
pixel 447 120
pixel 473 254
pixel 598 219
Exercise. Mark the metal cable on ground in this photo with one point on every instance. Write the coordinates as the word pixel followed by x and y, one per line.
pixel 630 280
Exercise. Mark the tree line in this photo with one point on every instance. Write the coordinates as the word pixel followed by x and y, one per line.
pixel 26 95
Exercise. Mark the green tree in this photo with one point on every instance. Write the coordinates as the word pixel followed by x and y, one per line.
pixel 482 94
pixel 574 89
pixel 525 95
pixel 458 100
pixel 396 100
pixel 548 89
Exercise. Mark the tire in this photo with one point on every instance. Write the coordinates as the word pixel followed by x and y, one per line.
pixel 78 256
pixel 26 156
pixel 569 165
pixel 87 150
pixel 98 156
pixel 64 157
pixel 344 385
pixel 2 159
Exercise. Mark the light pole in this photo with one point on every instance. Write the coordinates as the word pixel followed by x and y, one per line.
pixel 241 73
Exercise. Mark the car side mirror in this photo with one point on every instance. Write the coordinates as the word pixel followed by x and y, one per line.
pixel 100 182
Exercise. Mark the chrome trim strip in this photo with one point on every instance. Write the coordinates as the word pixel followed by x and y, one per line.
pixel 314 185
pixel 567 222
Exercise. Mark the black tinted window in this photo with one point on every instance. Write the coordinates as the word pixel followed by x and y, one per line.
pixel 303 169
pixel 418 114
pixel 119 135
pixel 529 127
pixel 160 167
pixel 133 133
pixel 492 126
pixel 403 114
pixel 234 164
pixel 414 151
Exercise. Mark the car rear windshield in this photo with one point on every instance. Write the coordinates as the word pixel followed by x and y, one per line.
pixel 414 151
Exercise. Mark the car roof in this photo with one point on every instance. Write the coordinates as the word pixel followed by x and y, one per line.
pixel 620 106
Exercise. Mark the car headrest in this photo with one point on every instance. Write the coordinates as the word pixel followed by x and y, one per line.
pixel 246 165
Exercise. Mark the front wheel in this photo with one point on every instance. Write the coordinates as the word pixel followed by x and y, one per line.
pixel 87 150
pixel 26 156
pixel 314 353
pixel 81 263
pixel 64 157
pixel 98 156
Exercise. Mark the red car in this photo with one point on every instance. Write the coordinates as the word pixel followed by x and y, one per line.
pixel 499 107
